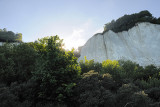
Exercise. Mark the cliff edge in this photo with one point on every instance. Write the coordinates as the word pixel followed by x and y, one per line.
pixel 140 44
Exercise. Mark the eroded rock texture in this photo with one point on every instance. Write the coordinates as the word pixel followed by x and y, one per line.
pixel 140 44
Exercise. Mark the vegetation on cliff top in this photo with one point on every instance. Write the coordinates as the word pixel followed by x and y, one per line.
pixel 126 22
pixel 9 36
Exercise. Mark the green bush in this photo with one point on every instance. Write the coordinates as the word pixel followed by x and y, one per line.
pixel 151 82
pixel 124 94
pixel 88 65
pixel 140 99
pixel 151 71
pixel 110 66
pixel 133 71
pixel 93 92
pixel 7 99
pixel 154 93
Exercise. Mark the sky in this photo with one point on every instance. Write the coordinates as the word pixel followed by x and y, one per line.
pixel 74 21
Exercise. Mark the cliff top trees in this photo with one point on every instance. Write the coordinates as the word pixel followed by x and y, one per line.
pixel 9 36
pixel 128 21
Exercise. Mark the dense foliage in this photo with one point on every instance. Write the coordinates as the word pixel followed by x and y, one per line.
pixel 37 74
pixel 56 71
pixel 9 36
pixel 118 84
pixel 126 22
pixel 43 74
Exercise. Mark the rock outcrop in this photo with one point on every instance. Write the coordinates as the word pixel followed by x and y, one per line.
pixel 140 44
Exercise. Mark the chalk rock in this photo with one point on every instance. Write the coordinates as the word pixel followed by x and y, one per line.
pixel 140 44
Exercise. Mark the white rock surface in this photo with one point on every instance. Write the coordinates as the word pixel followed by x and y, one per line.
pixel 1 43
pixel 141 44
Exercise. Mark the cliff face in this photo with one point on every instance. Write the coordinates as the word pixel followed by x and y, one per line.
pixel 140 44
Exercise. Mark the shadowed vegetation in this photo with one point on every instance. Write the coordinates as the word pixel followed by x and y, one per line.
pixel 126 22
pixel 9 36
pixel 43 74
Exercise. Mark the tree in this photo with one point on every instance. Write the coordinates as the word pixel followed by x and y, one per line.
pixel 18 37
pixel 126 22
pixel 4 29
pixel 16 62
pixel 56 70
pixel 9 36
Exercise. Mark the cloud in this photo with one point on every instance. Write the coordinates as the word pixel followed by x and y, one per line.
pixel 75 40
pixel 80 34
pixel 77 33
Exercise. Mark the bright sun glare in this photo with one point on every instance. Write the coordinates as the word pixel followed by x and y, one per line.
pixel 75 40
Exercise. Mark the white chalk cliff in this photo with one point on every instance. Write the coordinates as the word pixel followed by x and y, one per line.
pixel 140 44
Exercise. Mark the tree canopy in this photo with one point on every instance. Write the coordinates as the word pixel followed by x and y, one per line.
pixel 43 74
pixel 126 22
pixel 9 36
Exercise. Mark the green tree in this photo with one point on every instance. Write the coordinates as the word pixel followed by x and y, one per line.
pixel 56 70
pixel 9 36
pixel 16 62
pixel 126 22
pixel 18 37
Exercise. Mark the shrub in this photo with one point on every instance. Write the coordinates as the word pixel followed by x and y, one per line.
pixel 93 91
pixel 154 94
pixel 150 71
pixel 151 82
pixel 133 71
pixel 124 94
pixel 88 65
pixel 7 99
pixel 110 66
pixel 140 99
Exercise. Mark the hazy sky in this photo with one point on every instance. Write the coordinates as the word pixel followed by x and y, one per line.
pixel 75 21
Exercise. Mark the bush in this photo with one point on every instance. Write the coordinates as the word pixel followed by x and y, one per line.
pixel 154 94
pixel 7 99
pixel 151 82
pixel 124 94
pixel 140 99
pixel 133 71
pixel 110 66
pixel 93 92
pixel 88 65
pixel 151 71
